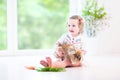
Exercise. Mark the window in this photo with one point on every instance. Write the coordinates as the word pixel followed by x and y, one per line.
pixel 3 28
pixel 33 24
pixel 41 22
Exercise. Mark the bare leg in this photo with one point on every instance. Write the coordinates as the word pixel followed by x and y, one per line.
pixel 50 63
pixel 59 64
pixel 77 65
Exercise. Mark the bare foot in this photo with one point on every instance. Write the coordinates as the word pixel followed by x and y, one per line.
pixel 44 63
pixel 49 61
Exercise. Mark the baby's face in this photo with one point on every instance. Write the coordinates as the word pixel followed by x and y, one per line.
pixel 73 27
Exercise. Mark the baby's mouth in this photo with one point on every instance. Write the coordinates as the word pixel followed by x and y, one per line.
pixel 71 31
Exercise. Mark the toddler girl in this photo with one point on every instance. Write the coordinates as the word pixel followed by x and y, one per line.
pixel 72 37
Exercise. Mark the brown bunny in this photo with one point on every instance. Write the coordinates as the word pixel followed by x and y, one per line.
pixel 70 52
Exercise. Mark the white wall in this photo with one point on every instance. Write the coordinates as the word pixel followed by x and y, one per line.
pixel 107 41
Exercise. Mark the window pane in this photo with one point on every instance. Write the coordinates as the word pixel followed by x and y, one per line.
pixel 41 22
pixel 3 28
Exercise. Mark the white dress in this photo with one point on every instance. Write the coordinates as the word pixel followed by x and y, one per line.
pixel 78 41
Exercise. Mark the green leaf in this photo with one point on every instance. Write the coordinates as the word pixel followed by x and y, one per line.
pixel 48 69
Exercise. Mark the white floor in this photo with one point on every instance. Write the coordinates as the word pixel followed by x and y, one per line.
pixel 95 68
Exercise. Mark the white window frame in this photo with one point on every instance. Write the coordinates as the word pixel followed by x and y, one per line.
pixel 12 34
pixel 11 28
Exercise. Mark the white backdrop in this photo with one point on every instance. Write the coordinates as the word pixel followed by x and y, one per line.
pixel 107 41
